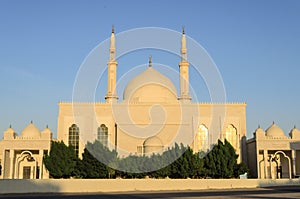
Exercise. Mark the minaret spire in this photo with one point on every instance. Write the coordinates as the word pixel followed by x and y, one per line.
pixel 150 61
pixel 184 71
pixel 111 95
pixel 112 48
pixel 183 50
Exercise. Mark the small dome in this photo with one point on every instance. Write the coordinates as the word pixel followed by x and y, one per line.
pixel 10 130
pixel 46 130
pixel 9 134
pixel 259 132
pixel 46 133
pixel 31 131
pixel 274 131
pixel 295 133
pixel 149 77
pixel 153 141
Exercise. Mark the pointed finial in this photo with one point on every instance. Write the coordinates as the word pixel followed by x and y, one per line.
pixel 295 126
pixel 112 29
pixel 150 61
pixel 10 126
pixel 47 126
pixel 31 122
pixel 273 122
pixel 259 126
pixel 183 30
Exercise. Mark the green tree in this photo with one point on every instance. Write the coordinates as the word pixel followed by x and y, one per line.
pixel 221 161
pixel 196 164
pixel 101 153
pixel 180 167
pixel 96 161
pixel 90 167
pixel 241 169
pixel 188 165
pixel 61 161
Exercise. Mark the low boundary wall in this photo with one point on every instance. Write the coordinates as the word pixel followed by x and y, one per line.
pixel 123 185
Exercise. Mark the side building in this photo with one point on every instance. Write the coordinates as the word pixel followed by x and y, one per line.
pixel 273 155
pixel 21 156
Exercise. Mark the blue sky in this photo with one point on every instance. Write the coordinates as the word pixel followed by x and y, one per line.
pixel 255 45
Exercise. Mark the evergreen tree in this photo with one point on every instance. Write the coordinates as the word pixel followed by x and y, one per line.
pixel 195 164
pixel 101 153
pixel 99 162
pixel 91 167
pixel 241 169
pixel 61 161
pixel 221 161
pixel 96 160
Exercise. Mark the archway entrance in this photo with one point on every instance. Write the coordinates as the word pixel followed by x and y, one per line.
pixel 282 165
pixel 26 166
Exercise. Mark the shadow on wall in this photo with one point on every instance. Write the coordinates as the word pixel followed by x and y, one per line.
pixel 27 186
pixel 278 182
pixel 244 150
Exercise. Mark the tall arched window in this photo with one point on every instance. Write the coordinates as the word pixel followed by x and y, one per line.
pixel 231 135
pixel 202 143
pixel 74 137
pixel 102 134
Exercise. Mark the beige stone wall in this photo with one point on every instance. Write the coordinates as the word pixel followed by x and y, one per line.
pixel 170 121
pixel 121 185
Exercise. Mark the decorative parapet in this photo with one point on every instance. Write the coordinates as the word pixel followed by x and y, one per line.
pixel 278 138
pixel 26 138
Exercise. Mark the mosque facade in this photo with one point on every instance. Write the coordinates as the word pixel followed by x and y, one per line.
pixel 149 118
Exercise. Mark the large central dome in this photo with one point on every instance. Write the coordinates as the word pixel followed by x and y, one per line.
pixel 150 86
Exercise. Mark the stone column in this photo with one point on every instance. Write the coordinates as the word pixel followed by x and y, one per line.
pixel 41 153
pixel 16 169
pixel 258 169
pixel 11 165
pixel 31 172
pixel 272 174
pixel 3 164
pixel 294 162
pixel 265 163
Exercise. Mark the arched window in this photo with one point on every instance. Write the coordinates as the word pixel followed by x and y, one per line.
pixel 231 135
pixel 202 139
pixel 74 137
pixel 102 134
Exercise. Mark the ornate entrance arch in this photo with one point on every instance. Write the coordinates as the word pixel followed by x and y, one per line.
pixel 285 156
pixel 22 170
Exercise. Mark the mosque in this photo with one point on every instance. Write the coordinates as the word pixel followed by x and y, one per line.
pixel 150 117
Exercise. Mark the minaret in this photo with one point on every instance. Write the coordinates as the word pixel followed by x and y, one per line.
pixel 150 61
pixel 184 72
pixel 111 95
